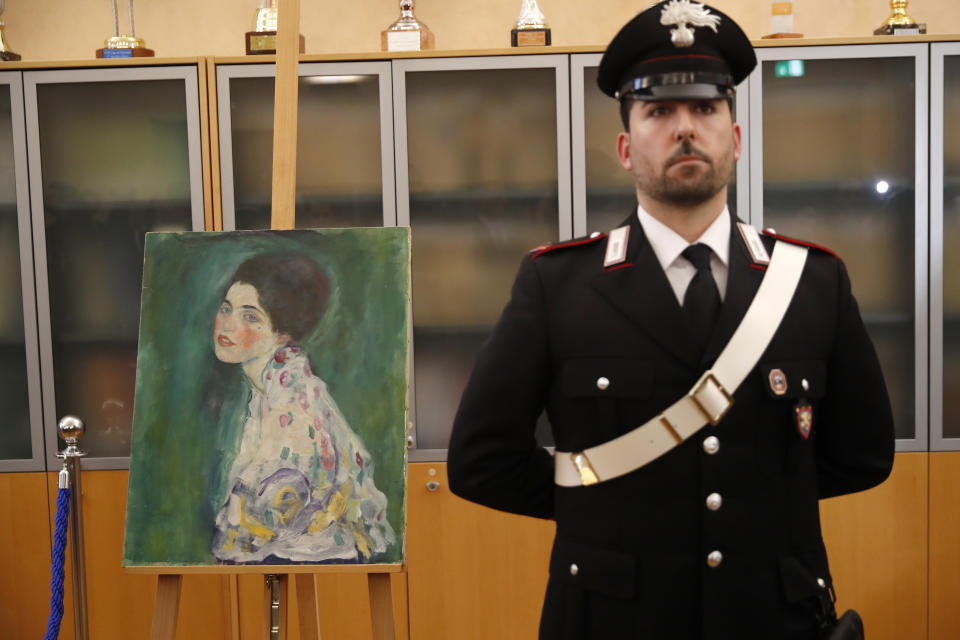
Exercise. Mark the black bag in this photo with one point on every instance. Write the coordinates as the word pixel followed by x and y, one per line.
pixel 848 627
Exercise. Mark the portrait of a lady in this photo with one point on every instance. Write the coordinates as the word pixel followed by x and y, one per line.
pixel 300 485
pixel 272 394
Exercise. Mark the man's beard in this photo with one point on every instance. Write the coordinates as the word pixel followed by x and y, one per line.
pixel 694 186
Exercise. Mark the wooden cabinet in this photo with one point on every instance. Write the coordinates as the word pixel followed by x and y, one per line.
pixel 483 156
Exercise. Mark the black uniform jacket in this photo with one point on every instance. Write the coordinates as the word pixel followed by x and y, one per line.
pixel 630 554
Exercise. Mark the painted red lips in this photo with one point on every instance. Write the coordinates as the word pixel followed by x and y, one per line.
pixel 224 341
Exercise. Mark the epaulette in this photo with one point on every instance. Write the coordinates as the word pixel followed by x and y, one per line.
pixel 803 243
pixel 575 242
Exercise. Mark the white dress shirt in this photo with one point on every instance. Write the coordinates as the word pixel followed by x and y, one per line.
pixel 668 246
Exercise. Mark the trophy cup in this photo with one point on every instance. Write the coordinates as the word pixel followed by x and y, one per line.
pixel 531 29
pixel 899 23
pixel 781 21
pixel 407 33
pixel 122 45
pixel 5 54
pixel 263 39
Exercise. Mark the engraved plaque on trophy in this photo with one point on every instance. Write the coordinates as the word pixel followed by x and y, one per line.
pixel 407 33
pixel 531 29
pixel 263 39
pixel 122 45
pixel 899 23
pixel 5 54
pixel 781 21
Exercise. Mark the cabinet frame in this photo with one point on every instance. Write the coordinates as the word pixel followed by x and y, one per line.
pixel 938 52
pixel 31 79
pixel 920 54
pixel 14 80
pixel 306 69
pixel 561 65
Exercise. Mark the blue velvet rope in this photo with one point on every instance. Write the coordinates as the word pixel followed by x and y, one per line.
pixel 56 568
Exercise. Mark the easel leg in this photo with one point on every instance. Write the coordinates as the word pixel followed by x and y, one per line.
pixel 166 606
pixel 381 606
pixel 275 607
pixel 307 606
pixel 231 607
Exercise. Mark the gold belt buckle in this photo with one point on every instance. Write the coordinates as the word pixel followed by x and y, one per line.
pixel 708 377
pixel 587 475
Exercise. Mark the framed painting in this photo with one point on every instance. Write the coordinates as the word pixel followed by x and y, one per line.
pixel 271 398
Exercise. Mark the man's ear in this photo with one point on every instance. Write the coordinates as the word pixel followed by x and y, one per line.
pixel 623 150
pixel 737 142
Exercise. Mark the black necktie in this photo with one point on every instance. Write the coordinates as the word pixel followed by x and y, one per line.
pixel 701 304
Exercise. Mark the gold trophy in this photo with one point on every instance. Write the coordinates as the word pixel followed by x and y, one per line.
pixel 407 33
pixel 899 23
pixel 263 39
pixel 5 54
pixel 122 45
pixel 531 29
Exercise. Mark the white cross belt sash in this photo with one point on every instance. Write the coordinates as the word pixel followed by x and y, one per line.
pixel 710 399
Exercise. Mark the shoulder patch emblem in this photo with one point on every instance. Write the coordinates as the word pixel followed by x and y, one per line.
pixel 802 243
pixel 751 239
pixel 576 242
pixel 616 247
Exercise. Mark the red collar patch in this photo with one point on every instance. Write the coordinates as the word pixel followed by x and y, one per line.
pixel 802 243
pixel 547 248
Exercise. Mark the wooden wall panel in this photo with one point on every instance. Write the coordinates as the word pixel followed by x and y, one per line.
pixel 944 545
pixel 877 544
pixel 25 543
pixel 477 573
pixel 474 573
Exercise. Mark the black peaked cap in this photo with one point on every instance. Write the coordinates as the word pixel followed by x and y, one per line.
pixel 659 61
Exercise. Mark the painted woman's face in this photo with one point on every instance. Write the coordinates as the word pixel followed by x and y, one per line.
pixel 242 331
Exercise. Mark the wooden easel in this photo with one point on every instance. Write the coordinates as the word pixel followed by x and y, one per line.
pixel 276 578
pixel 170 582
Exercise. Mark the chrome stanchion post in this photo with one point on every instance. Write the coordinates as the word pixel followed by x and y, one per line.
pixel 71 430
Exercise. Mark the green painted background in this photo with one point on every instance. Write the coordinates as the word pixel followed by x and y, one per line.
pixel 187 400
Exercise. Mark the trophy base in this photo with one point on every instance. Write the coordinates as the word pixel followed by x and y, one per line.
pixel 265 42
pixel 773 36
pixel 900 30
pixel 406 40
pixel 530 37
pixel 9 56
pixel 135 52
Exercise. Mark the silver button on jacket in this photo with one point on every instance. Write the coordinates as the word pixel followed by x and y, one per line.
pixel 711 444
pixel 714 500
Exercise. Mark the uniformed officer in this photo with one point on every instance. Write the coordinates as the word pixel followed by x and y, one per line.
pixel 700 519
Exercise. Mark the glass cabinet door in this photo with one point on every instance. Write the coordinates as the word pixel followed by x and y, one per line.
pixel 482 177
pixel 345 173
pixel 604 193
pixel 840 161
pixel 21 431
pixel 945 246
pixel 114 154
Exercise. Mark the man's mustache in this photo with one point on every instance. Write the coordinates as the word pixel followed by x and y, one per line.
pixel 685 151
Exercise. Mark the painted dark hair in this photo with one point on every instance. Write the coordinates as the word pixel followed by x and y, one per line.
pixel 292 289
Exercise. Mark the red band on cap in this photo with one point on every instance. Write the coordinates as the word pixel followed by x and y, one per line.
pixel 692 55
